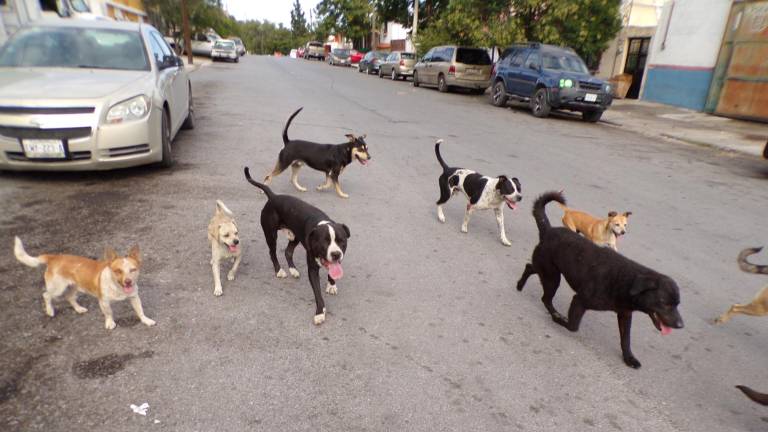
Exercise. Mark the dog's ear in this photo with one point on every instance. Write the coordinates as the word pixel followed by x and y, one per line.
pixel 643 283
pixel 346 230
pixel 612 213
pixel 110 254
pixel 363 136
pixel 502 178
pixel 627 214
pixel 350 137
pixel 135 253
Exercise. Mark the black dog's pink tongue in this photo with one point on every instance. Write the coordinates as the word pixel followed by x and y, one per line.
pixel 335 271
pixel 664 329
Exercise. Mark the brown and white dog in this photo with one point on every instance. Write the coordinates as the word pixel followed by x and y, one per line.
pixel 225 243
pixel 759 305
pixel 109 280
pixel 603 232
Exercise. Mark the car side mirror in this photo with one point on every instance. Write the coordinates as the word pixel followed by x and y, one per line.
pixel 168 62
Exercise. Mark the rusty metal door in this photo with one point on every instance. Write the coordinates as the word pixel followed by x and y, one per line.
pixel 740 82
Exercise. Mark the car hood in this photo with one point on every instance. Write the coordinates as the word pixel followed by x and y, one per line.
pixel 64 83
pixel 582 77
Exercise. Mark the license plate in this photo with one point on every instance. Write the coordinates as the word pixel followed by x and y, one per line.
pixel 471 71
pixel 44 149
pixel 590 97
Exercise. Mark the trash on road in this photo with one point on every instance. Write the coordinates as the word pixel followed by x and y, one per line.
pixel 141 409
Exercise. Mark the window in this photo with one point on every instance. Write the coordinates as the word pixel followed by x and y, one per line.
pixel 157 50
pixel 447 55
pixel 473 56
pixel 161 42
pixel 407 56
pixel 428 55
pixel 534 60
pixel 517 59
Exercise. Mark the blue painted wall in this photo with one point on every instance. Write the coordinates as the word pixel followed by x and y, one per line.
pixel 676 86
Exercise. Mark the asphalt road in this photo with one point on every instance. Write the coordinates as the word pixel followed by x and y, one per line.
pixel 427 332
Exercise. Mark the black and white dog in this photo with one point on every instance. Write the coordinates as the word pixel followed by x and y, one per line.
pixel 328 158
pixel 324 240
pixel 483 192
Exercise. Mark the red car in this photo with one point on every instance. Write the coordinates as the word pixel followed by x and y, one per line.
pixel 355 56
pixel 300 52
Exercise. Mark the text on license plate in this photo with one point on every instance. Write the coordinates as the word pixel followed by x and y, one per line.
pixel 590 97
pixel 43 149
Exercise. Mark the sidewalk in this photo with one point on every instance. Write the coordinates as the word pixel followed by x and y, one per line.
pixel 665 121
pixel 197 63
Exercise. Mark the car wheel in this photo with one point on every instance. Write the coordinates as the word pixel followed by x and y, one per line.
pixel 359 68
pixel 415 79
pixel 442 86
pixel 381 73
pixel 165 132
pixel 189 122
pixel 394 74
pixel 237 59
pixel 591 116
pixel 539 103
pixel 499 94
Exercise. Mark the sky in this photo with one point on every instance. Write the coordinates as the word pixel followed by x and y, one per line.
pixel 275 11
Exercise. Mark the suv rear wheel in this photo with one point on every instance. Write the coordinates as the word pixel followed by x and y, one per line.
pixel 591 116
pixel 441 84
pixel 415 79
pixel 539 103
pixel 499 94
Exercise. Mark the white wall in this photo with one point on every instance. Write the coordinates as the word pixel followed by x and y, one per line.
pixel 695 33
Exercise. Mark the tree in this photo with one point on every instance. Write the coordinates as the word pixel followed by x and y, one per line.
pixel 298 22
pixel 350 18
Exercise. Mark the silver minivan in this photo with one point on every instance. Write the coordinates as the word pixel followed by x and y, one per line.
pixel 399 64
pixel 454 66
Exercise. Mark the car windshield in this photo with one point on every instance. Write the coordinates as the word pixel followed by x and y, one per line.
pixel 224 45
pixel 380 54
pixel 564 62
pixel 407 56
pixel 341 52
pixel 315 44
pixel 74 47
pixel 473 56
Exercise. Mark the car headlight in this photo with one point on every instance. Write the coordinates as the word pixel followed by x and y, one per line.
pixel 135 108
pixel 607 88
pixel 566 83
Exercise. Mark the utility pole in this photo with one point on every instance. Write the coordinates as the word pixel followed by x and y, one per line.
pixel 185 29
pixel 415 19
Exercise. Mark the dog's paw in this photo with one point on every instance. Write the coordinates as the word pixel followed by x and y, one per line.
pixel 632 362
pixel 722 319
pixel 217 291
pixel 506 242
pixel 148 322
pixel 230 276
pixel 464 229
pixel 319 319
pixel 109 324
pixel 81 310
pixel 441 218
pixel 294 272
pixel 49 311
pixel 281 274
pixel 331 289
pixel 343 195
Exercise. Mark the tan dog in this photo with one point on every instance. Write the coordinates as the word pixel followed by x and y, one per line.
pixel 225 243
pixel 759 305
pixel 603 232
pixel 109 280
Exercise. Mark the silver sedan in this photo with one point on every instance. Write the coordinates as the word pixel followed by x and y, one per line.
pixel 90 95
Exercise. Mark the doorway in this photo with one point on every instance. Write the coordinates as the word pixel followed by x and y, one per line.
pixel 637 54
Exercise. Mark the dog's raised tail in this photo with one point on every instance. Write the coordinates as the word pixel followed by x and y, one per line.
pixel 223 208
pixel 758 397
pixel 263 187
pixel 437 152
pixel 24 257
pixel 288 124
pixel 747 266
pixel 540 214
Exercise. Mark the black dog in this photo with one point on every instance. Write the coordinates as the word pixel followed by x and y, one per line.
pixel 481 191
pixel 328 158
pixel 602 278
pixel 324 240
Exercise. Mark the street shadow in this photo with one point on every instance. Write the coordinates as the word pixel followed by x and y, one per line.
pixel 145 171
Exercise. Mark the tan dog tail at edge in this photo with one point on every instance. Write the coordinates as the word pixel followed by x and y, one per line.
pixel 222 208
pixel 24 257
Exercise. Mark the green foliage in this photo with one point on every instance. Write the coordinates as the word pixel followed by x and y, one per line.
pixel 266 37
pixel 203 15
pixel 298 21
pixel 351 18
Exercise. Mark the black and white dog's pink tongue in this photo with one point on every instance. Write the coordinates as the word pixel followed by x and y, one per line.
pixel 335 271
pixel 664 329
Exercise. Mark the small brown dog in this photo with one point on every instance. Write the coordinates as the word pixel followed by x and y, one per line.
pixel 225 244
pixel 603 232
pixel 759 305
pixel 109 280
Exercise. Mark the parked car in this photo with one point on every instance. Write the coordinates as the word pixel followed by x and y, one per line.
pixel 90 95
pixel 225 49
pixel 549 77
pixel 371 61
pixel 454 66
pixel 398 64
pixel 300 52
pixel 314 50
pixel 765 150
pixel 239 45
pixel 202 43
pixel 339 56
pixel 355 56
